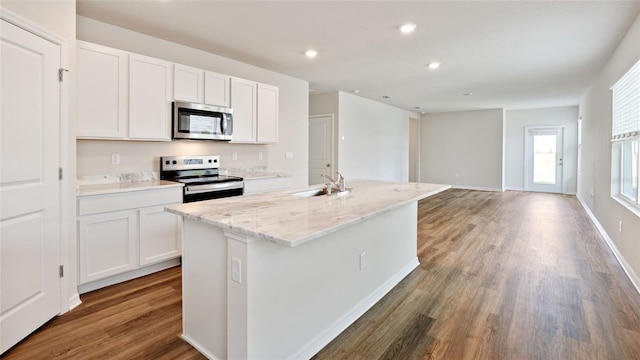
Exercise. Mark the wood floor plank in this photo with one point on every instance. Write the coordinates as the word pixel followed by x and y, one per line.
pixel 511 275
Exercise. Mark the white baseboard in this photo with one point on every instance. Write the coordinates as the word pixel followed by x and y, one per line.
pixel 74 301
pixel 514 188
pixel 197 346
pixel 321 340
pixel 98 284
pixel 635 280
pixel 478 188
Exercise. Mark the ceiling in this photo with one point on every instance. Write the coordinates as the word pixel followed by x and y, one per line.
pixel 508 54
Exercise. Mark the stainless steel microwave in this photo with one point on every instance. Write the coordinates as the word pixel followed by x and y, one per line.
pixel 202 122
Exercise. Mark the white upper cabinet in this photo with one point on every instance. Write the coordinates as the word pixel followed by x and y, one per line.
pixel 151 85
pixel 102 91
pixel 188 84
pixel 122 95
pixel 267 117
pixel 243 103
pixel 216 89
pixel 201 86
pixel 255 112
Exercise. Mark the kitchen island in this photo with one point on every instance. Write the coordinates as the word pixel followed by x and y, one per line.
pixel 279 275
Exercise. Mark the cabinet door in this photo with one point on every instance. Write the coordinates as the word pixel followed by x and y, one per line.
pixel 102 91
pixel 188 84
pixel 107 245
pixel 267 118
pixel 159 235
pixel 243 102
pixel 150 89
pixel 216 89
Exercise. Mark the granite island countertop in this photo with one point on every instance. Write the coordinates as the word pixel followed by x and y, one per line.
pixel 291 220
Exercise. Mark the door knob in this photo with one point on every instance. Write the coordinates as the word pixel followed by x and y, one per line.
pixel 328 165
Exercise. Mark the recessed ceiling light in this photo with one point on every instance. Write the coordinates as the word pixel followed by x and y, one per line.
pixel 417 107
pixel 433 65
pixel 467 94
pixel 408 28
pixel 386 97
pixel 311 53
pixel 356 91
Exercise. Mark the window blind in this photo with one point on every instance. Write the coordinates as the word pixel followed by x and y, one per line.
pixel 626 105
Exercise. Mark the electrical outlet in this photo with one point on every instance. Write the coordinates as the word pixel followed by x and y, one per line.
pixel 363 260
pixel 234 156
pixel 115 158
pixel 288 155
pixel 236 270
pixel 620 226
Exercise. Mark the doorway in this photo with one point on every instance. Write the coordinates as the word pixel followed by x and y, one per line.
pixel 321 143
pixel 543 159
pixel 414 150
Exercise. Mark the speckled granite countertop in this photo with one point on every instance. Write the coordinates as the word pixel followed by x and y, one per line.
pixel 109 184
pixel 291 220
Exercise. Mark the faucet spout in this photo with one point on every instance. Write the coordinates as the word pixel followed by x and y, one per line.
pixel 339 184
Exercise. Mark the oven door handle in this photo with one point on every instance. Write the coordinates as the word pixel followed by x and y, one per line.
pixel 197 189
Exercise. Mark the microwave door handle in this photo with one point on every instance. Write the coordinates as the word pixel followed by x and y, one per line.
pixel 223 124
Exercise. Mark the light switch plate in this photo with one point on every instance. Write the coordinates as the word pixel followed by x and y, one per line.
pixel 288 155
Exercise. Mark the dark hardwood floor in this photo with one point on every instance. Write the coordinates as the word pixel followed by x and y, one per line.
pixel 510 275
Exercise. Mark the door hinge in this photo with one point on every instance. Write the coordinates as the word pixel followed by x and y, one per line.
pixel 61 271
pixel 59 173
pixel 61 74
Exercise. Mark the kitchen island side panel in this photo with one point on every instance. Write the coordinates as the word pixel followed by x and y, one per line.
pixel 204 285
pixel 299 299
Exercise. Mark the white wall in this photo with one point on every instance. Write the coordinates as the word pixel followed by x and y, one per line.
pixel 372 137
pixel 93 155
pixel 462 149
pixel 58 17
pixel 516 120
pixel 594 180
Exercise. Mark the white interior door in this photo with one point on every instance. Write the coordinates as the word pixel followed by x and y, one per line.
pixel 29 184
pixel 543 159
pixel 320 148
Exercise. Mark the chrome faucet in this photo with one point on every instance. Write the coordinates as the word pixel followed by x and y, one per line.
pixel 339 184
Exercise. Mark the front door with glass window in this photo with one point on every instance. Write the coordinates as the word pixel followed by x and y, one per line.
pixel 543 159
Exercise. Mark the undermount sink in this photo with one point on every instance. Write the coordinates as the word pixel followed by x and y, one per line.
pixel 320 192
pixel 311 193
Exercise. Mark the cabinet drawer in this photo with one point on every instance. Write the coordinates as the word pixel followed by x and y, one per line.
pixel 94 204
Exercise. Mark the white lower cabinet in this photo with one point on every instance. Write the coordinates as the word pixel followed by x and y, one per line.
pixel 108 245
pixel 125 235
pixel 159 235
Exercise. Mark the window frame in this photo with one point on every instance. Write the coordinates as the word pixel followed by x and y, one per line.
pixel 634 202
pixel 625 128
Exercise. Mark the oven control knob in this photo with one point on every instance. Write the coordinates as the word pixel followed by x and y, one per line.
pixel 174 162
pixel 209 161
pixel 167 162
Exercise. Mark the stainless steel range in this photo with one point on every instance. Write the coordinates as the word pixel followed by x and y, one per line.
pixel 200 176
